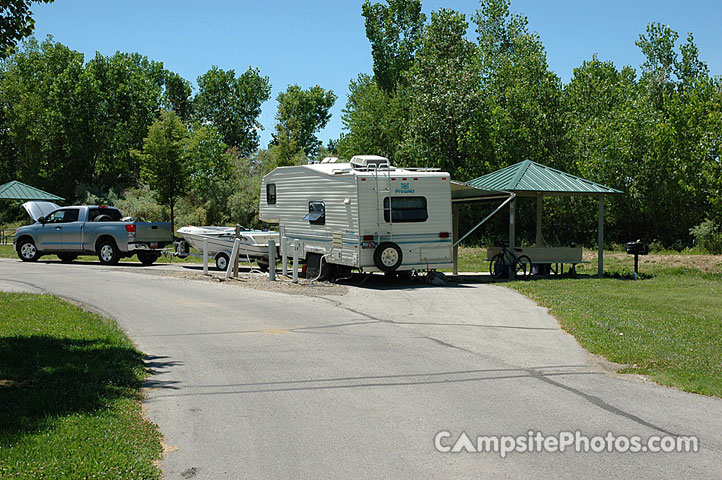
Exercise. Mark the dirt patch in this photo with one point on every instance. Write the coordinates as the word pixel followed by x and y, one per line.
pixel 251 280
pixel 704 263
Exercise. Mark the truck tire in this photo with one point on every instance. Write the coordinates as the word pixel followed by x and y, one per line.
pixel 222 261
pixel 148 258
pixel 108 253
pixel 67 257
pixel 388 257
pixel 27 251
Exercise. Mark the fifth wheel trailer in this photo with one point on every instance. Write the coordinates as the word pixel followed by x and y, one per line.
pixel 365 214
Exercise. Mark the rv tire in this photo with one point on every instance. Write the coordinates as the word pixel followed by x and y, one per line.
pixel 388 257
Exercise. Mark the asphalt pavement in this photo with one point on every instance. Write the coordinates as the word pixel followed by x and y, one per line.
pixel 252 383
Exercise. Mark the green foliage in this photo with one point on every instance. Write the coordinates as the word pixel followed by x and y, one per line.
pixel 66 124
pixel 474 107
pixel 141 203
pixel 164 164
pixel 209 175
pixel 394 31
pixel 16 23
pixel 301 113
pixel 374 120
pixel 232 104
pixel 707 236
pixel 443 96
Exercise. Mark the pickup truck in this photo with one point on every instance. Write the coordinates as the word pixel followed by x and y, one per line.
pixel 80 230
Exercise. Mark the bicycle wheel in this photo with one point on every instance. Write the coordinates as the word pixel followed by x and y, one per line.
pixel 497 265
pixel 522 267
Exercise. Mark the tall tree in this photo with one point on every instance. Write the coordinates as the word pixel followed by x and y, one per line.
pixel 522 116
pixel 164 162
pixel 444 93
pixel 16 23
pixel 233 104
pixel 177 96
pixel 302 113
pixel 374 120
pixel 394 31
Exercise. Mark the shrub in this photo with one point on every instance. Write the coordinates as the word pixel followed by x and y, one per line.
pixel 707 236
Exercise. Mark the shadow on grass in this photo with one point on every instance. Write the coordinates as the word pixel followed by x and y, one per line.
pixel 42 378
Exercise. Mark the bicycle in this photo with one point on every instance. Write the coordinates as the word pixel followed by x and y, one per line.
pixel 501 261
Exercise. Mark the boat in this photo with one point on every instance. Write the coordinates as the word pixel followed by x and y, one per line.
pixel 253 246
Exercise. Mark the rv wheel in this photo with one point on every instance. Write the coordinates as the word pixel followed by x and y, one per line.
pixel 388 257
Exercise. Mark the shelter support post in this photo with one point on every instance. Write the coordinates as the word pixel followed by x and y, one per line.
pixel 512 233
pixel 600 240
pixel 539 207
pixel 296 248
pixel 455 237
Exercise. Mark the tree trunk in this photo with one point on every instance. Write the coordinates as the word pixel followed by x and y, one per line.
pixel 172 218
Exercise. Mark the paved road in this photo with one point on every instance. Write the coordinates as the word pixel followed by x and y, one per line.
pixel 259 384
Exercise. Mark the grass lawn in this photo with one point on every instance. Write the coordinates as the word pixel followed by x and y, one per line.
pixel 667 324
pixel 70 395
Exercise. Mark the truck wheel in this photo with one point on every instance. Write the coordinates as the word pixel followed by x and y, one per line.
pixel 147 258
pixel 67 257
pixel 388 257
pixel 263 265
pixel 222 260
pixel 108 253
pixel 27 251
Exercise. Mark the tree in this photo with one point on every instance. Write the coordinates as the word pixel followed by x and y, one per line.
pixel 16 23
pixel 177 96
pixel 233 104
pixel 301 113
pixel 444 93
pixel 374 120
pixel 209 169
pixel 522 116
pixel 394 31
pixel 43 95
pixel 164 160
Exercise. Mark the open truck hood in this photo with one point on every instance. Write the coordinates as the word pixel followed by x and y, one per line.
pixel 37 209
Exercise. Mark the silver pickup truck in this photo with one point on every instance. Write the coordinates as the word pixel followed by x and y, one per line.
pixel 71 231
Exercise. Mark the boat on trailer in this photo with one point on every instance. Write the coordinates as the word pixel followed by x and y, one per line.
pixel 253 243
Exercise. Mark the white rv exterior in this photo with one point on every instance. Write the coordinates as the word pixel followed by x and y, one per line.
pixel 365 214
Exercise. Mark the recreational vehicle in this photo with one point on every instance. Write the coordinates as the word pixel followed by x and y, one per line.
pixel 365 214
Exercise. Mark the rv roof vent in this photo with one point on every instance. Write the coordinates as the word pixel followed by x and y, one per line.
pixel 365 162
pixel 330 160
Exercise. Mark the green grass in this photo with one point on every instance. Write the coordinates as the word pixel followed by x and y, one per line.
pixel 70 395
pixel 667 325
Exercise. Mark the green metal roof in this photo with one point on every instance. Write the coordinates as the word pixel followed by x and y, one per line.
pixel 19 191
pixel 529 177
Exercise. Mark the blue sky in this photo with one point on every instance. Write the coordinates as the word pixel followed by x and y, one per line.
pixel 323 41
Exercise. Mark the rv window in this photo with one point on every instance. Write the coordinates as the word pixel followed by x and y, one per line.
pixel 271 194
pixel 316 213
pixel 406 209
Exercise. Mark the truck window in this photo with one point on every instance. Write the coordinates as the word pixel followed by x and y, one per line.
pixel 63 216
pixel 271 194
pixel 405 209
pixel 111 214
pixel 316 213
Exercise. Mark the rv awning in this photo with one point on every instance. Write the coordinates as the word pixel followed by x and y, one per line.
pixel 463 192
